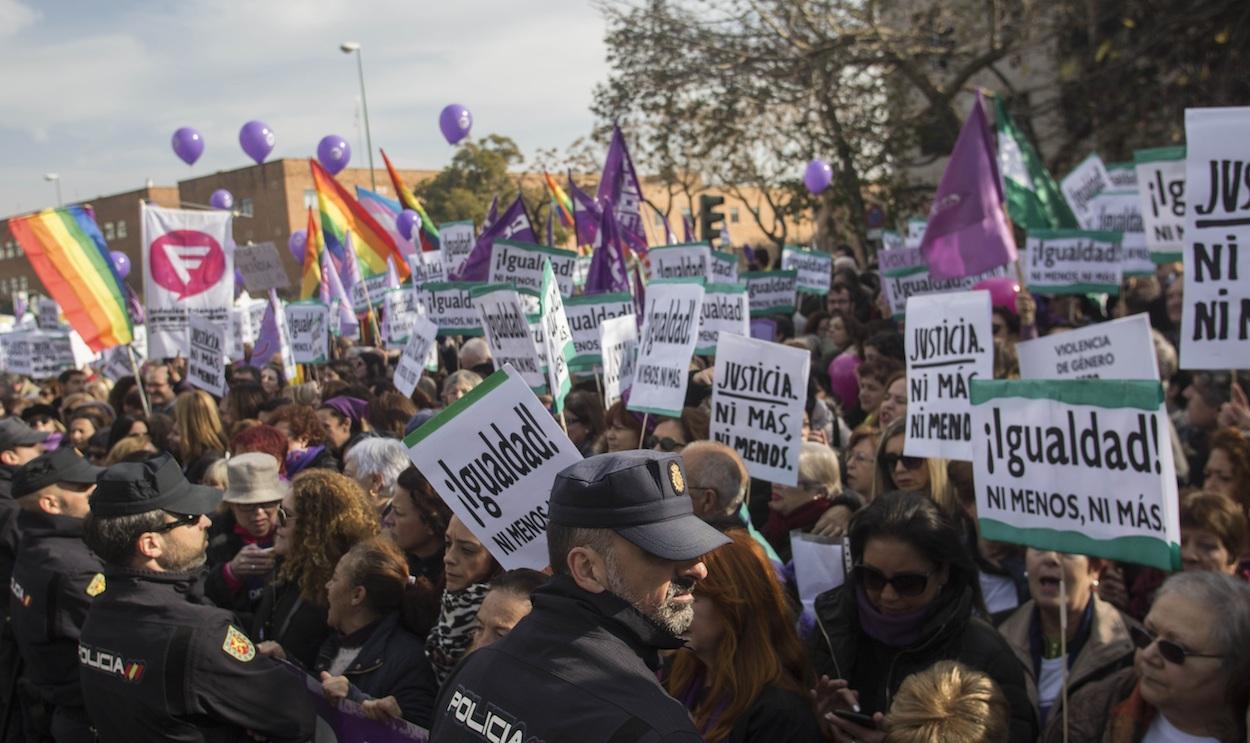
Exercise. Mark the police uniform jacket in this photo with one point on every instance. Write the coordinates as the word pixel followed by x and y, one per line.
pixel 580 667
pixel 156 666
pixel 54 579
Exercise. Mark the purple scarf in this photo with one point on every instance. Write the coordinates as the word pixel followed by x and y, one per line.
pixel 298 459
pixel 893 630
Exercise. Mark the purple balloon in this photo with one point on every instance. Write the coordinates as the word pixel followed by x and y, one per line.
pixel 842 379
pixel 221 199
pixel 297 244
pixel 818 176
pixel 455 122
pixel 257 140
pixel 1002 289
pixel 408 223
pixel 188 145
pixel 121 262
pixel 333 153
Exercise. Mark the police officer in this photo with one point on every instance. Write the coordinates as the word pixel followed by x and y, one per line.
pixel 625 547
pixel 155 662
pixel 54 578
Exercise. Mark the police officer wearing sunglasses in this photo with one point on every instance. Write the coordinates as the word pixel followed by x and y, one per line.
pixel 910 601
pixel 156 662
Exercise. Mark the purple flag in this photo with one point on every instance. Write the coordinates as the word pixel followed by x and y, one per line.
pixel 585 214
pixel 513 225
pixel 133 305
pixel 350 270
pixel 492 213
pixel 619 188
pixel 687 227
pixel 607 271
pixel 968 231
pixel 268 341
pixel 336 297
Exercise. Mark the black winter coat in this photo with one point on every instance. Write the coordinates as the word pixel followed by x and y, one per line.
pixel 841 650
pixel 224 543
pixel 391 662
pixel 297 625
pixel 777 715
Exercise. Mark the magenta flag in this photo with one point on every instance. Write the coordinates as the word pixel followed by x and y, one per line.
pixel 586 214
pixel 513 224
pixel 607 271
pixel 968 232
pixel 619 189
pixel 268 341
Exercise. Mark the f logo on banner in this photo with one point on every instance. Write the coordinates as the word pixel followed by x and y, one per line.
pixel 187 262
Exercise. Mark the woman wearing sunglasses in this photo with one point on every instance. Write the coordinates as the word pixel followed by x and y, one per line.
pixel 897 471
pixel 801 506
pixel 909 602
pixel 1190 679
pixel 673 434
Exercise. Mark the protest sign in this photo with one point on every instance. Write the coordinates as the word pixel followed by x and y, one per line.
pixel 618 343
pixel 456 240
pixel 815 268
pixel 206 364
pixel 581 271
pixel 586 314
pixel 670 330
pixel 890 240
pixel 1079 466
pixel 188 268
pixel 722 268
pixel 521 264
pixel 427 266
pixel 508 333
pixel 492 456
pixel 915 232
pixel 401 310
pixel 1120 211
pixel 764 328
pixel 369 292
pixel 726 309
pixel 1082 185
pixel 1215 315
pixel 1122 175
pixel 687 261
pixel 49 315
pixel 17 353
pixel 51 352
pixel 240 333
pixel 308 325
pixel 1119 349
pixel 255 314
pixel 905 274
pixel 557 338
pixel 1161 186
pixel 758 393
pixel 1072 262
pixel 344 721
pixel 819 565
pixel 772 292
pixel 260 267
pixel 948 343
pixel 449 305
pixel 419 351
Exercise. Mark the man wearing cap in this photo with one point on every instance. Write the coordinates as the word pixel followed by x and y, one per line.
pixel 240 556
pixel 19 443
pixel 54 579
pixel 156 663
pixel 626 550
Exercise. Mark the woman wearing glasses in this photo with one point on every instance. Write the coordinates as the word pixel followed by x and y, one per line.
pixel 801 506
pixel 1190 679
pixel 896 471
pixel 908 603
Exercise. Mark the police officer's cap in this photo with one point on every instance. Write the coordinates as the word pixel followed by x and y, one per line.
pixel 129 488
pixel 641 495
pixel 59 466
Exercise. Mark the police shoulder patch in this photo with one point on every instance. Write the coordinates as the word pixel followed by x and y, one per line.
pixel 96 586
pixel 674 475
pixel 237 645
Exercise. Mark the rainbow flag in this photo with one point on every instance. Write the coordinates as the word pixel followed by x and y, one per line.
pixel 72 260
pixel 341 213
pixel 310 278
pixel 429 230
pixel 560 200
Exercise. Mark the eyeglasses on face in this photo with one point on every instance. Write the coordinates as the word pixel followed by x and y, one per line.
pixel 890 461
pixel 666 444
pixel 180 519
pixel 254 507
pixel 1172 652
pixel 906 585
pixel 284 516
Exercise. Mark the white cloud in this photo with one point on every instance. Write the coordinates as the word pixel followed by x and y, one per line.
pixel 14 17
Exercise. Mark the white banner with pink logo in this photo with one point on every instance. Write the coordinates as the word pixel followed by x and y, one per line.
pixel 188 267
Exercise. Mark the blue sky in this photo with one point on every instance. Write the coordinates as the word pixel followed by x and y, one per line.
pixel 94 90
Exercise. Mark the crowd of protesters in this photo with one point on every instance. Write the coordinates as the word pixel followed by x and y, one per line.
pixel 330 551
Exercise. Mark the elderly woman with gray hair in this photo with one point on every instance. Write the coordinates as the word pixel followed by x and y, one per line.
pixel 376 464
pixel 457 385
pixel 1190 680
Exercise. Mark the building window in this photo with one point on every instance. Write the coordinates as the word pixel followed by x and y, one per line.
pixel 109 234
pixel 121 228
pixel 310 197
pixel 733 215
pixel 245 207
pixel 22 283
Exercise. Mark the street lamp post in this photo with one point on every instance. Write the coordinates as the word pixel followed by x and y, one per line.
pixel 55 178
pixel 347 47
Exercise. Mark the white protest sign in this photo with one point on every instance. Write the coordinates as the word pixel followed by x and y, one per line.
pixel 493 456
pixel 1079 466
pixel 401 310
pixel 1122 175
pixel 905 274
pixel 50 354
pixel 890 240
pixel 722 268
pixel 758 395
pixel 206 364
pixel 948 343
pixel 772 292
pixel 416 356
pixel 427 266
pixel 819 566
pixel 456 240
pixel 17 353
pixel 49 315
pixel 1085 182
pixel 915 232
pixel 1119 349
pixel 188 268
pixel 815 269
pixel 369 292
pixel 449 305
pixel 1072 262
pixel 1120 211
pixel 726 309
pixel 670 330
pixel 261 267
pixel 689 261
pixel 1161 183
pixel 508 334
pixel 557 338
pixel 521 264
pixel 308 325
pixel 240 333
pixel 1215 316
pixel 618 343
pixel 586 315
pixel 255 316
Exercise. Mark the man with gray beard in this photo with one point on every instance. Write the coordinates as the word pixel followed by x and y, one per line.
pixel 626 552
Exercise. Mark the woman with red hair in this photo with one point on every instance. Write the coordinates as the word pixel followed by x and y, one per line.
pixel 746 676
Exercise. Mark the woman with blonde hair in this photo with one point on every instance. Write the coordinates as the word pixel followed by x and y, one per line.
pixel 949 703
pixel 897 471
pixel 201 437
pixel 800 506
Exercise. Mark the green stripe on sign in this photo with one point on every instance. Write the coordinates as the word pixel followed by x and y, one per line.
pixel 456 408
pixel 1159 154
pixel 1160 257
pixel 1142 394
pixel 1156 553
pixel 1076 289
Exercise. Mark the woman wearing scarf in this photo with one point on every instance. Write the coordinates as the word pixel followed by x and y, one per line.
pixel 344 420
pixel 306 437
pixel 468 567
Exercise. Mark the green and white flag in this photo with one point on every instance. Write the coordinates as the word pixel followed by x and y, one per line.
pixel 1033 199
pixel 1078 466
